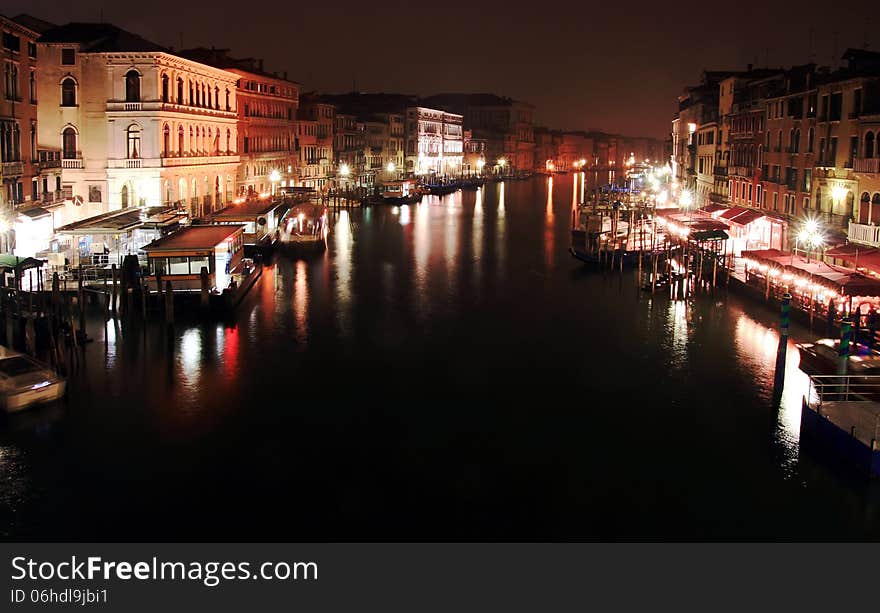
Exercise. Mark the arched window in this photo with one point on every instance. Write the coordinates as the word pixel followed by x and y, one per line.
pixel 179 90
pixel 191 99
pixel 165 92
pixel 132 86
pixel 166 141
pixel 68 143
pixel 869 145
pixel 850 204
pixel 180 149
pixel 819 199
pixel 791 141
pixel 228 139
pixel 68 92
pixel 134 141
pixel 779 141
pixel 192 143
pixel 124 196
pixel 227 101
pixel 811 140
pixel 797 140
pixel 217 98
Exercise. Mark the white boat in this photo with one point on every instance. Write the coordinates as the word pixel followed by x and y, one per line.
pixel 25 382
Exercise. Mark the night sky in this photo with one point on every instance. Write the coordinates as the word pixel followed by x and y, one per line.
pixel 618 66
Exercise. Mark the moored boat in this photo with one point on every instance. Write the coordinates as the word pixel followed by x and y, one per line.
pixel 405 191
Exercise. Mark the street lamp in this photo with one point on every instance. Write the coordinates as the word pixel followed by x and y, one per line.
pixel 810 236
pixel 480 163
pixel 274 177
pixel 390 167
pixel 501 163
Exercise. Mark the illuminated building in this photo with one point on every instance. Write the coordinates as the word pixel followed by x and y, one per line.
pixel 18 117
pixel 267 109
pixel 315 129
pixel 134 125
pixel 434 141
pixel 506 125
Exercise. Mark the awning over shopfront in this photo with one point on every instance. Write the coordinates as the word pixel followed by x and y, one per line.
pixel 846 281
pixel 11 263
pixel 731 213
pixel 746 217
pixel 714 208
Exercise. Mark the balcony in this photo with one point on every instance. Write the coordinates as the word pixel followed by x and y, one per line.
pixel 72 163
pixel 866 165
pixel 128 107
pixel 47 164
pixel 10 169
pixel 864 234
pixel 133 163
pixel 199 160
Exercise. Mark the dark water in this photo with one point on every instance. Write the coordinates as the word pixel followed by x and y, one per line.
pixel 445 371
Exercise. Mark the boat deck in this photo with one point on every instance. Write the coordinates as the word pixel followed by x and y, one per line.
pixel 859 418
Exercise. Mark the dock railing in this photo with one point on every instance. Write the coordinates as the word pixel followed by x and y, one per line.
pixel 851 402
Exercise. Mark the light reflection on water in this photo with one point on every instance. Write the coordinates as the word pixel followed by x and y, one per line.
pixel 423 392
pixel 756 347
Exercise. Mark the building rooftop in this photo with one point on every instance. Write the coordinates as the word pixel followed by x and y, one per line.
pixel 36 26
pixel 123 220
pixel 99 37
pixel 194 238
pixel 220 58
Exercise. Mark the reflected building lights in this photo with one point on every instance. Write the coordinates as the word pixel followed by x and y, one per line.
pixel 756 346
pixel 190 356
pixel 500 233
pixel 450 240
pixel 477 239
pixel 422 252
pixel 301 302
pixel 342 238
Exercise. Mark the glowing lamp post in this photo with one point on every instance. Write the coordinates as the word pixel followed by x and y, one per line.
pixel 274 178
pixel 686 200
pixel 480 163
pixel 810 236
pixel 501 164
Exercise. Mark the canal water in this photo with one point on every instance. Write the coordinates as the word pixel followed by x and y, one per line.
pixel 445 371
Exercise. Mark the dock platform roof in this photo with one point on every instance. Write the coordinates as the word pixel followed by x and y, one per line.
pixel 123 220
pixel 194 238
pixel 249 209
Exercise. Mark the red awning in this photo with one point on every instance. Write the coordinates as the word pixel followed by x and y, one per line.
pixel 737 210
pixel 714 208
pixel 868 259
pixel 746 217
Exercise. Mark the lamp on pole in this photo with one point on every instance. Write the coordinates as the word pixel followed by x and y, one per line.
pixel 274 178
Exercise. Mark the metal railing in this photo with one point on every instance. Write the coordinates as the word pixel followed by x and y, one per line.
pixel 866 165
pixel 850 402
pixel 864 233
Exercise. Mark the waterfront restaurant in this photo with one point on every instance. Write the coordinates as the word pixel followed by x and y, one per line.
pixel 750 229
pixel 812 284
pixel 259 216
pixel 104 239
pixel 180 257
